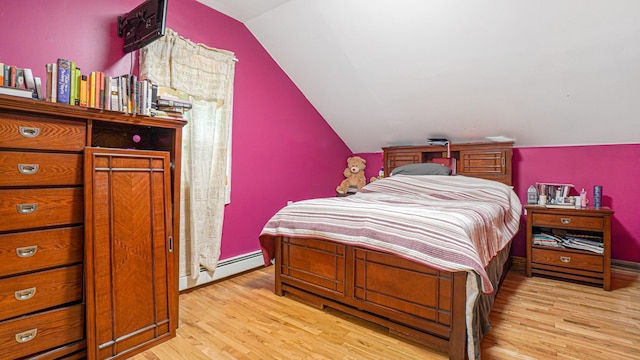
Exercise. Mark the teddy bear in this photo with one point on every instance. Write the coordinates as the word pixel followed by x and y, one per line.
pixel 354 174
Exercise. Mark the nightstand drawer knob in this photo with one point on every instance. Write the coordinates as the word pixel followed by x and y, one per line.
pixel 29 335
pixel 25 294
pixel 565 221
pixel 565 259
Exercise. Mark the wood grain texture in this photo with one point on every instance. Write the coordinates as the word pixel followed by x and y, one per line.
pixel 533 318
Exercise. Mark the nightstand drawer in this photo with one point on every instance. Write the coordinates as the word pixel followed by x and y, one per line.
pixel 32 334
pixel 24 209
pixel 46 134
pixel 31 168
pixel 24 294
pixel 569 221
pixel 567 259
pixel 34 250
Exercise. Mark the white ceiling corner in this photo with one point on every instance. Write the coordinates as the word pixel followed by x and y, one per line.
pixel 546 73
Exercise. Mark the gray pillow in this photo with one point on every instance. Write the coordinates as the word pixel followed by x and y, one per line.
pixel 422 169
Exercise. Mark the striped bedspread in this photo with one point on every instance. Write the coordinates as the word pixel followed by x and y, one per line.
pixel 452 223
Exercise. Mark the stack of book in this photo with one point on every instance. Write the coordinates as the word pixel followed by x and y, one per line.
pixel 569 241
pixel 126 93
pixel 20 82
pixel 171 106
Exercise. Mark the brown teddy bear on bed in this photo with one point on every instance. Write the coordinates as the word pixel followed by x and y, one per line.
pixel 354 174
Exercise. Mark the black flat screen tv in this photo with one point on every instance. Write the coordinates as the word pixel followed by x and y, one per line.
pixel 143 25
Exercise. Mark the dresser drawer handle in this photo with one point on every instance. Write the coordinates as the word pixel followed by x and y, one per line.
pixel 565 259
pixel 27 251
pixel 26 336
pixel 28 169
pixel 29 132
pixel 26 209
pixel 25 294
pixel 565 221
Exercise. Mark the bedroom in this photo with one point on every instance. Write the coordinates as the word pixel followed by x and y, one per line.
pixel 599 149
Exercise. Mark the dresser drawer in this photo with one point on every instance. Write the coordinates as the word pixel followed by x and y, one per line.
pixel 35 333
pixel 35 250
pixel 24 294
pixel 24 209
pixel 29 168
pixel 569 221
pixel 567 259
pixel 41 133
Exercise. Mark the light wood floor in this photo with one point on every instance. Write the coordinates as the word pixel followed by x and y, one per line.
pixel 533 318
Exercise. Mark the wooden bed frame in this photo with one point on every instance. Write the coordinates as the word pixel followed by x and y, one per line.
pixel 378 287
pixel 412 300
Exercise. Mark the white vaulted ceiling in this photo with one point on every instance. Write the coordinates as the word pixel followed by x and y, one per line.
pixel 546 72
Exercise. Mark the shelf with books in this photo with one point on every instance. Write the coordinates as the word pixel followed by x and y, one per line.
pixel 572 244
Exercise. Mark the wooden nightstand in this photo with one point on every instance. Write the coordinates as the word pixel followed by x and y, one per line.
pixel 574 264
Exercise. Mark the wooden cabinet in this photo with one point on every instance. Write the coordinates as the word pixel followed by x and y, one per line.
pixel 88 231
pixel 592 224
pixel 130 249
pixel 490 160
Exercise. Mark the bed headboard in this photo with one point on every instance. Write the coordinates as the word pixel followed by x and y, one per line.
pixel 486 160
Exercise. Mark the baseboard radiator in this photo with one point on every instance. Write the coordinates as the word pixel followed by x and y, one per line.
pixel 225 268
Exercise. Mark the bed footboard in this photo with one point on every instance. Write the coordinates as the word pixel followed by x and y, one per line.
pixel 410 299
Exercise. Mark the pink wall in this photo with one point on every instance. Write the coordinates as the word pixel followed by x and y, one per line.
pixel 612 166
pixel 282 148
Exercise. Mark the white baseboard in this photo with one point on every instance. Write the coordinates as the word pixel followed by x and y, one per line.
pixel 225 268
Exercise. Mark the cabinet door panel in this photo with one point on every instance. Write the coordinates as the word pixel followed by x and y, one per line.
pixel 127 244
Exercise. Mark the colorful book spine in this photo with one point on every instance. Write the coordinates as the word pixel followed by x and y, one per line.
pixel 20 84
pixel 92 89
pixel 99 89
pixel 72 83
pixel 29 82
pixel 77 77
pixel 39 93
pixel 1 74
pixel 54 82
pixel 7 75
pixel 12 74
pixel 83 91
pixel 64 81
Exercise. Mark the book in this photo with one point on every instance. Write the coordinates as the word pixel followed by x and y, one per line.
pixel 83 91
pixel 39 92
pixel 77 78
pixel 54 82
pixel 114 92
pixel 92 89
pixel 100 90
pixel 47 82
pixel 29 82
pixel 13 91
pixel 20 78
pixel 1 74
pixel 124 91
pixel 165 100
pixel 64 81
pixel 106 93
pixel 72 83
pixel 7 75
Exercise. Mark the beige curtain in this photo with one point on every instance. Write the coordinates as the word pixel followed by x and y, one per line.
pixel 204 76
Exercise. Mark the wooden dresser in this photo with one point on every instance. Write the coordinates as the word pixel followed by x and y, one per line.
pixel 487 160
pixel 87 240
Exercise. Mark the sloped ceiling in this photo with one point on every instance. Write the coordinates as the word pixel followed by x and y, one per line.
pixel 545 73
